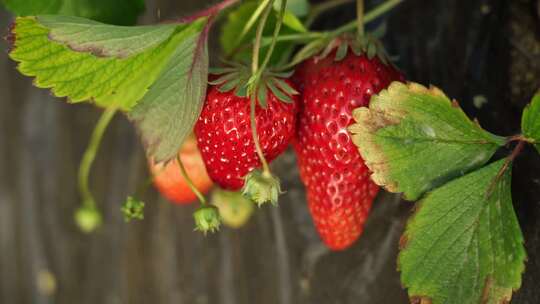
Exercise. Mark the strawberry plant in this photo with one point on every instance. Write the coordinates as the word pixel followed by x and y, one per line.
pixel 355 123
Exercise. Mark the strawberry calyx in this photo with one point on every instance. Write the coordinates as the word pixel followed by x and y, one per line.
pixel 262 187
pixel 207 219
pixel 239 78
pixel 133 209
pixel 368 45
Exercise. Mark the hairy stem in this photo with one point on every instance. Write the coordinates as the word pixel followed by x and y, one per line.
pixel 90 155
pixel 274 37
pixel 266 168
pixel 360 17
pixel 189 181
pixel 371 15
pixel 258 38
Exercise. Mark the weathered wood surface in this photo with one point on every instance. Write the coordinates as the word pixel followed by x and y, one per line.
pixel 465 47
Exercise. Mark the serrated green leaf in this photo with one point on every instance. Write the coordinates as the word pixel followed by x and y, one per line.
pixel 530 121
pixel 82 76
pixel 414 139
pixel 167 113
pixel 464 244
pixel 120 12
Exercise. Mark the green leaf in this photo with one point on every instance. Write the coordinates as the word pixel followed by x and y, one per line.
pixel 464 244
pixel 414 139
pixel 167 113
pixel 290 20
pixel 80 75
pixel 299 8
pixel 530 122
pixel 162 69
pixel 120 12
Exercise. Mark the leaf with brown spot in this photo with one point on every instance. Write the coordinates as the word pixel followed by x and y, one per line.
pixel 464 245
pixel 413 139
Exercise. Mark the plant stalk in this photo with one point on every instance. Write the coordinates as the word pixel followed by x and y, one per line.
pixel 258 38
pixel 370 16
pixel 189 181
pixel 360 17
pixel 274 37
pixel 264 163
pixel 90 155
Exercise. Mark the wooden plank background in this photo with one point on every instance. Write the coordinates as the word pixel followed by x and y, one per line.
pixel 466 47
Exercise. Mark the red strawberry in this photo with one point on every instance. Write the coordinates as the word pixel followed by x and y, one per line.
pixel 339 189
pixel 224 131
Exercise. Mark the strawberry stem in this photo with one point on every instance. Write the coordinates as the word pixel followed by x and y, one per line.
pixel 509 159
pixel 275 35
pixel 257 72
pixel 371 15
pixel 89 156
pixel 190 183
pixel 258 37
pixel 266 168
pixel 360 17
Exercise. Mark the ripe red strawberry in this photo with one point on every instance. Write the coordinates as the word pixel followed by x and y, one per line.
pixel 224 131
pixel 339 189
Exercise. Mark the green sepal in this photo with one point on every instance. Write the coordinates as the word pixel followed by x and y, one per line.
pixel 285 87
pixel 238 77
pixel 207 219
pixel 261 187
pixel 262 92
pixel 220 71
pixel 277 92
pixel 341 52
pixel 229 85
pixel 367 45
pixel 224 78
pixel 133 209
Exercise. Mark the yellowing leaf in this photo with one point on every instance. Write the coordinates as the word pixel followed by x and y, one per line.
pixel 414 139
pixel 464 244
